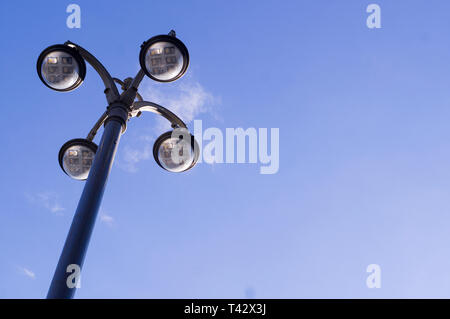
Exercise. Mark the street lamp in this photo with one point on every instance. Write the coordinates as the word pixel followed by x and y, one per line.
pixel 76 156
pixel 62 67
pixel 164 58
pixel 176 151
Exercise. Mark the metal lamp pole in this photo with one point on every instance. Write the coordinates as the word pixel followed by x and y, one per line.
pixel 121 107
pixel 83 222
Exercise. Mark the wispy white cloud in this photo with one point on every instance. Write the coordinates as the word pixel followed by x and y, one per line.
pixel 48 200
pixel 186 98
pixel 132 156
pixel 27 272
pixel 107 219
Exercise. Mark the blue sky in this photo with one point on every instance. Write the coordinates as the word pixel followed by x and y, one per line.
pixel 364 172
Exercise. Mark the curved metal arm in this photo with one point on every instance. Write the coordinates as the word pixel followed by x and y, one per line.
pixel 112 94
pixel 140 106
pixel 139 97
pixel 136 109
pixel 138 79
pixel 132 87
pixel 124 86
pixel 97 126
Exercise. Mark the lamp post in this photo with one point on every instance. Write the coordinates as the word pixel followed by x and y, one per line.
pixel 163 58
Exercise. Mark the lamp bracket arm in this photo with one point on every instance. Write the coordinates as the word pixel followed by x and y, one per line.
pixel 97 126
pixel 111 91
pixel 131 88
pixel 140 106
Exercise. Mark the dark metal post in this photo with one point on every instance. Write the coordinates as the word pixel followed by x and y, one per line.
pixel 83 222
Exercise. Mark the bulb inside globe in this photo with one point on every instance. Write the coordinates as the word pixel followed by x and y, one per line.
pixel 164 61
pixel 60 70
pixel 175 154
pixel 77 161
